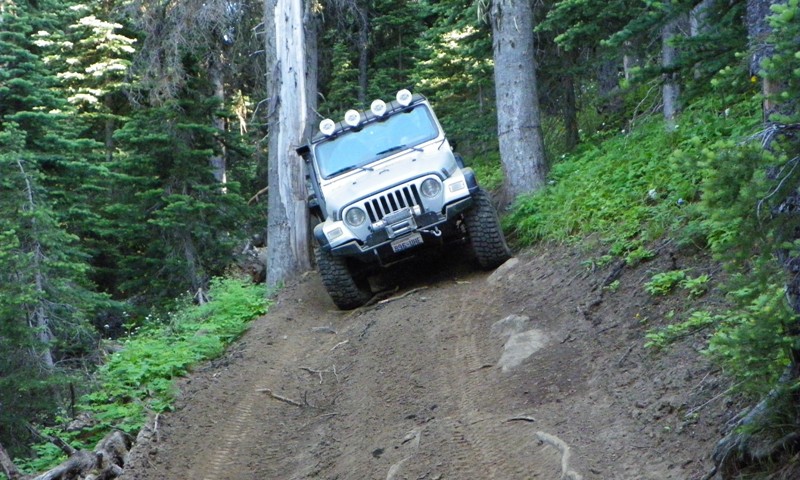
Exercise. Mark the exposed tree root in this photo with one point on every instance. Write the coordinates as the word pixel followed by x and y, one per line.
pixel 279 397
pixel 561 446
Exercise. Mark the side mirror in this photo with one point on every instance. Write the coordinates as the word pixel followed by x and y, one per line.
pixel 303 151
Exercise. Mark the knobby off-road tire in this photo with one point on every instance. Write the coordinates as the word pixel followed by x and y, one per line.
pixel 345 290
pixel 485 235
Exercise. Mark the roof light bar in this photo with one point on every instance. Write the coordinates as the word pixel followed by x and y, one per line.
pixel 352 118
pixel 327 127
pixel 378 107
pixel 404 97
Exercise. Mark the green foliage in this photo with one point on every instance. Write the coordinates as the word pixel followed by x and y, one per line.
pixel 613 286
pixel 698 286
pixel 697 321
pixel 751 341
pixel 663 283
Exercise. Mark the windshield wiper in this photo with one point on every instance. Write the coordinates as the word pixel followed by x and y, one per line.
pixel 347 169
pixel 391 149
pixel 396 148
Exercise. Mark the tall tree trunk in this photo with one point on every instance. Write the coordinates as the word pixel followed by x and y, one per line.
pixel 215 73
pixel 312 22
pixel 698 22
pixel 758 29
pixel 670 89
pixel 287 227
pixel 518 118
pixel 362 11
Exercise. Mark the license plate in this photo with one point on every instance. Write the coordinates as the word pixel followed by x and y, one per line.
pixel 405 243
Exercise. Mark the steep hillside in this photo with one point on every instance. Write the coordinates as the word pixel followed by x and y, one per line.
pixel 537 370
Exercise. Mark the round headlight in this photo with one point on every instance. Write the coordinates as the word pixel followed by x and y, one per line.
pixel 355 217
pixel 327 126
pixel 403 97
pixel 430 187
pixel 378 107
pixel 352 117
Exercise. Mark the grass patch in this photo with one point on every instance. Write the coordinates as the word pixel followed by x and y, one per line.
pixel 633 187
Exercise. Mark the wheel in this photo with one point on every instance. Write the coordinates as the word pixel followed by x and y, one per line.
pixel 484 233
pixel 346 291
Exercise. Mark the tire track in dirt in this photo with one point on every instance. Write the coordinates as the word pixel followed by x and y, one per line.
pixel 494 450
pixel 252 435
pixel 240 425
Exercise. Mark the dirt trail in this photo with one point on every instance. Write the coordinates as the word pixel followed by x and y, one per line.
pixel 421 387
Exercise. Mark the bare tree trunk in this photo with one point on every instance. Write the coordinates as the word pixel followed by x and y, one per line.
pixel 670 89
pixel 518 117
pixel 312 22
pixel 287 227
pixel 37 316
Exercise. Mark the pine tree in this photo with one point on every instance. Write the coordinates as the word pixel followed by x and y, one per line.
pixel 46 299
pixel 176 227
pixel 455 71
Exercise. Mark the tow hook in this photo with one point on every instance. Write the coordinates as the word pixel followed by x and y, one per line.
pixel 436 232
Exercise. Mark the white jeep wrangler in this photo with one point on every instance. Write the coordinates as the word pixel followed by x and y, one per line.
pixel 383 184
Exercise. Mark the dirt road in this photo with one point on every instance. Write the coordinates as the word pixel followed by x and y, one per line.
pixel 532 372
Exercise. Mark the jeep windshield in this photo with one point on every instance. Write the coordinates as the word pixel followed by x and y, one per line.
pixel 375 140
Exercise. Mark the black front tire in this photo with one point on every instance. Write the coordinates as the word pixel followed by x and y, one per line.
pixel 346 290
pixel 486 237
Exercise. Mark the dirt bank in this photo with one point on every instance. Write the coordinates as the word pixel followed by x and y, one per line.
pixel 429 385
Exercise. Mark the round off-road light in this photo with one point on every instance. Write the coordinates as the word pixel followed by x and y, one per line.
pixel 430 187
pixel 378 107
pixel 327 126
pixel 355 217
pixel 404 97
pixel 352 118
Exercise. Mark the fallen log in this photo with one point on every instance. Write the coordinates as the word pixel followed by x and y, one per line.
pixel 105 462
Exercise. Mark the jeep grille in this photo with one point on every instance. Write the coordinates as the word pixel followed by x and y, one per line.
pixel 379 206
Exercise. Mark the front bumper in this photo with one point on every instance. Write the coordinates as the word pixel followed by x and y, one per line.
pixel 380 240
